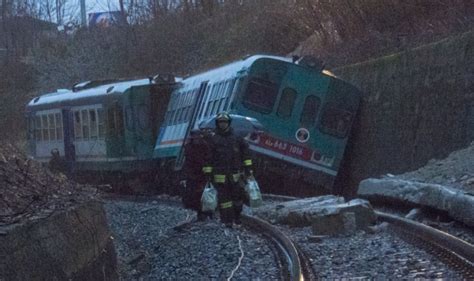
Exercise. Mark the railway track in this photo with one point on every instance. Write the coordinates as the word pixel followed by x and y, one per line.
pixel 452 250
pixel 298 267
pixel 292 262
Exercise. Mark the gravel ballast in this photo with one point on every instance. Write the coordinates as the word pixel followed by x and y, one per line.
pixel 151 247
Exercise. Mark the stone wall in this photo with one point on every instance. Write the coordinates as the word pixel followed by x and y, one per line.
pixel 70 245
pixel 416 106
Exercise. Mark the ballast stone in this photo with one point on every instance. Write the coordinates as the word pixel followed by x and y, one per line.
pixel 459 205
pixel 320 210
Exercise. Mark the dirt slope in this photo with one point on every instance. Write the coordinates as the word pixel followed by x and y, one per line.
pixel 28 190
pixel 456 170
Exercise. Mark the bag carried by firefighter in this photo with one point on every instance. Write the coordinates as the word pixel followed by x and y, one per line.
pixel 253 191
pixel 209 198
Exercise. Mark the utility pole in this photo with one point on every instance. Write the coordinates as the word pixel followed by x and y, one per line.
pixel 58 13
pixel 83 13
pixel 123 20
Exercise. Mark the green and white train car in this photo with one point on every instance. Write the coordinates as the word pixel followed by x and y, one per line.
pixel 307 114
pixel 99 126
pixel 139 126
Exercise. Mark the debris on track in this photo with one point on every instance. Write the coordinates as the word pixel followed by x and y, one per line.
pixel 29 190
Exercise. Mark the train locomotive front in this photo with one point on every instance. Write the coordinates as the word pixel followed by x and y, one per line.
pixel 306 111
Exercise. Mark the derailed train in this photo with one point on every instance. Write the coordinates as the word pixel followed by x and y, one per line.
pixel 137 128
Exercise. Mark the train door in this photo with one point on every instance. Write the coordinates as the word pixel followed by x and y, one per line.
pixel 138 122
pixel 115 138
pixel 194 116
pixel 68 131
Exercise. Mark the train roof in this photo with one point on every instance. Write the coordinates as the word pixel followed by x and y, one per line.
pixel 226 71
pixel 63 95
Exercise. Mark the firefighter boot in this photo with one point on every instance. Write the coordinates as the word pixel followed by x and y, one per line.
pixel 201 216
pixel 237 212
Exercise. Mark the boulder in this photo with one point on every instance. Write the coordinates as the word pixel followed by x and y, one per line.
pixel 74 244
pixel 459 205
pixel 340 223
pixel 313 210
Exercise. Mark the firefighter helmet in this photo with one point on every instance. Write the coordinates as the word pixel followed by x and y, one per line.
pixel 223 116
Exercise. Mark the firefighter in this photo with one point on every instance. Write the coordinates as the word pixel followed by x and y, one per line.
pixel 195 152
pixel 56 163
pixel 229 156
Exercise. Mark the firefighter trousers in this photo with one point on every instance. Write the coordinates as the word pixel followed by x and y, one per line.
pixel 231 197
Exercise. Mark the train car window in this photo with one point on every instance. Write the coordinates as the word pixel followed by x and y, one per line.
pixel 52 127
pixel 119 121
pixel 93 123
pixel 77 125
pixel 230 87
pixel 189 98
pixel 101 123
pixel 187 112
pixel 213 92
pixel 182 97
pixel 221 90
pixel 129 118
pixel 310 111
pixel 59 125
pixel 260 95
pixel 177 101
pixel 287 102
pixel 208 108
pixel 201 105
pixel 111 121
pixel 172 114
pixel 44 126
pixel 214 109
pixel 85 124
pixel 183 114
pixel 38 133
pixel 176 116
pixel 336 121
pixel 226 103
pixel 142 116
pixel 220 105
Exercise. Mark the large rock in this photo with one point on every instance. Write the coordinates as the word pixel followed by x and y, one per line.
pixel 341 223
pixel 457 204
pixel 71 245
pixel 310 211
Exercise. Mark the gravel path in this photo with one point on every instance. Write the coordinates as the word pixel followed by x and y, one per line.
pixel 150 247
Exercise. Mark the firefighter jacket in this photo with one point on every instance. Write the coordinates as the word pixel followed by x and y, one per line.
pixel 229 154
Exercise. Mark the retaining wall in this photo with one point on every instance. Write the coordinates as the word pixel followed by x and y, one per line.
pixel 416 105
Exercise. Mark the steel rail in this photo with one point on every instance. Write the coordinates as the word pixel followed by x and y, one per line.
pixel 295 270
pixel 458 249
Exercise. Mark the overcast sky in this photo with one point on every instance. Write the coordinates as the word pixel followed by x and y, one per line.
pixel 73 8
pixel 93 6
